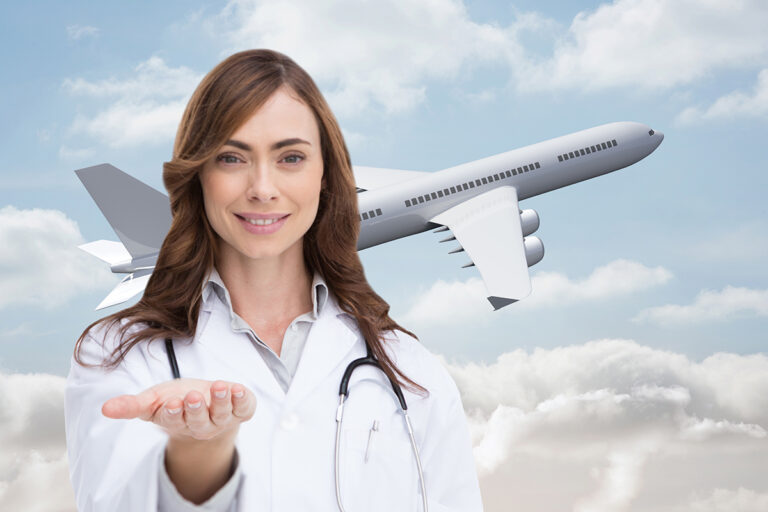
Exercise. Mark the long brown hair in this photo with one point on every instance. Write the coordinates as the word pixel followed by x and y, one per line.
pixel 222 102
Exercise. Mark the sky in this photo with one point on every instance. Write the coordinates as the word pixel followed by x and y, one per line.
pixel 635 375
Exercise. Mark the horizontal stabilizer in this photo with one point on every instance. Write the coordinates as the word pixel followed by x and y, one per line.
pixel 370 178
pixel 106 250
pixel 139 214
pixel 129 287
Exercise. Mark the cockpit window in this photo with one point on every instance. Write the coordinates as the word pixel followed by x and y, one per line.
pixel 650 132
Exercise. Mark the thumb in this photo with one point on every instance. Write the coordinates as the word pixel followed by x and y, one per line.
pixel 130 406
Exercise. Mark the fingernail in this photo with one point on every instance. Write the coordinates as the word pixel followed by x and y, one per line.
pixel 220 394
pixel 194 405
pixel 238 394
pixel 177 410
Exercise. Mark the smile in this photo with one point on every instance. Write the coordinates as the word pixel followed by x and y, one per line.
pixel 262 222
pixel 262 226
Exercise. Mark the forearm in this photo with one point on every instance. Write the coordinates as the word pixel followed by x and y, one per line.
pixel 198 469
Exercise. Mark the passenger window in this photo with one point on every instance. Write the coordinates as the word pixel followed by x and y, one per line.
pixel 604 146
pixel 365 215
pixel 439 193
pixel 445 191
pixel 582 152
pixel 378 211
pixel 407 202
pixel 509 174
pixel 471 184
pixel 614 142
pixel 421 199
pixel 560 158
pixel 537 165
pixel 453 190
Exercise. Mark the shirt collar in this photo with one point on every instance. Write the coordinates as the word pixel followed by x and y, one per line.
pixel 214 285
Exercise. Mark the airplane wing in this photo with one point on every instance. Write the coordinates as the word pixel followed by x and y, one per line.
pixel 488 227
pixel 368 178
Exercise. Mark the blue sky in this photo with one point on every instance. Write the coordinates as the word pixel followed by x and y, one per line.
pixel 693 207
pixel 667 255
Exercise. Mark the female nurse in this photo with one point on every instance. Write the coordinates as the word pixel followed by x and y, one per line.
pixel 260 292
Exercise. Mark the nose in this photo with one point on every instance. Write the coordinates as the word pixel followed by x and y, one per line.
pixel 261 183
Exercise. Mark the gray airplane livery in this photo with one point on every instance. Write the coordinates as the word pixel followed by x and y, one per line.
pixel 477 201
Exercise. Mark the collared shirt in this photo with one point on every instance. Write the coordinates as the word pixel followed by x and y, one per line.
pixel 283 367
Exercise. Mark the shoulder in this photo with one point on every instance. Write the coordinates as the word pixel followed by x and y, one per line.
pixel 105 337
pixel 419 363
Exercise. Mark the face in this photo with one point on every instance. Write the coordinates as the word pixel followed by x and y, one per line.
pixel 262 188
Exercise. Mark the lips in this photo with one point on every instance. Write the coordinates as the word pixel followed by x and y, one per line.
pixel 261 220
pixel 261 229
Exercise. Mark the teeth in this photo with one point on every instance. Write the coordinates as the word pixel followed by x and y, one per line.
pixel 262 222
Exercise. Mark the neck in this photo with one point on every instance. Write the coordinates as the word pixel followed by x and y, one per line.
pixel 267 291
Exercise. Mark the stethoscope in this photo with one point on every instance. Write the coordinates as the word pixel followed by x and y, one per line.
pixel 343 395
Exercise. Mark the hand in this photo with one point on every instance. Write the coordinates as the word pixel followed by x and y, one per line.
pixel 170 406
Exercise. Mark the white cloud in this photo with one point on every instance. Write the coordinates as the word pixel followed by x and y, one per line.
pixel 726 500
pixel 379 54
pixel 76 32
pixel 146 108
pixel 601 426
pixel 735 104
pixel 40 263
pixel 67 153
pixel 33 465
pixel 710 305
pixel 652 44
pixel 459 301
pixel 598 422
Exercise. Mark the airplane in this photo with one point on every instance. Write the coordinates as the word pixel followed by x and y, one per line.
pixel 476 201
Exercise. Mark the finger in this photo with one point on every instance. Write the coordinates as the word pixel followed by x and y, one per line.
pixel 196 415
pixel 142 405
pixel 121 407
pixel 221 404
pixel 170 416
pixel 243 402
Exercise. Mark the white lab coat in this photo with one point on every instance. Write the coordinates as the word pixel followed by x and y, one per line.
pixel 287 448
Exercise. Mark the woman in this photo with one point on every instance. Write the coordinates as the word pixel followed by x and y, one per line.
pixel 263 240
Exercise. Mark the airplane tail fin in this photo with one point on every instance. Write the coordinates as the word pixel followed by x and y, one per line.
pixel 139 214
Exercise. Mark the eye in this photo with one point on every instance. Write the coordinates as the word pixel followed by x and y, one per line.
pixel 293 158
pixel 228 158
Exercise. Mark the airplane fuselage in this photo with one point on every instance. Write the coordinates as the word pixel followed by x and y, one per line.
pixel 404 209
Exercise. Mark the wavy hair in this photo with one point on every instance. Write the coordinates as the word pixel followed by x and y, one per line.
pixel 225 98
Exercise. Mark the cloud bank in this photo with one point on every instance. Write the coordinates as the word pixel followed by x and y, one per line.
pixel 40 263
pixel 729 303
pixel 603 426
pixel 460 301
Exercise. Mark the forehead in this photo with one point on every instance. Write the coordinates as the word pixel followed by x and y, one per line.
pixel 283 115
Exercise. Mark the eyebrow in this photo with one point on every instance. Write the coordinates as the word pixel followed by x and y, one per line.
pixel 276 145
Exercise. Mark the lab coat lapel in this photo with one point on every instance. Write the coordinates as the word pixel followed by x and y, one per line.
pixel 237 353
pixel 329 342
